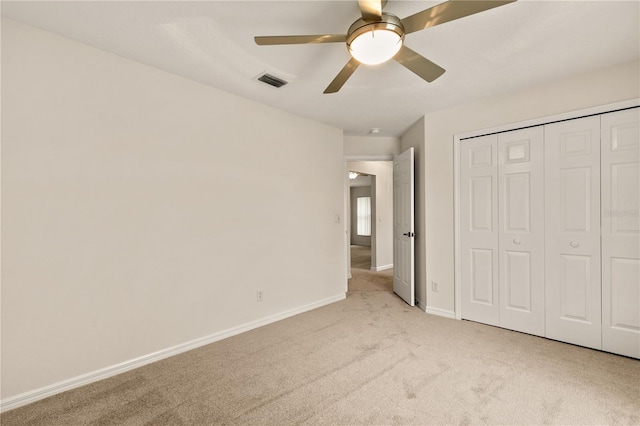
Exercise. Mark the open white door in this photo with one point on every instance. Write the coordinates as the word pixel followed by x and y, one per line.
pixel 403 227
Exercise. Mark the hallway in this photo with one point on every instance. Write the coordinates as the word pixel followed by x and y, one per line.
pixel 362 277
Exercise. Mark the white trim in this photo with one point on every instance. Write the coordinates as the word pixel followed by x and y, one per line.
pixel 440 312
pixel 94 376
pixel 381 268
pixel 601 109
pixel 346 225
pixel 421 304
pixel 385 157
pixel 457 297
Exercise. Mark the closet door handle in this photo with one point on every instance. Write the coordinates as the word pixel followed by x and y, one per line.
pixel 516 242
pixel 574 244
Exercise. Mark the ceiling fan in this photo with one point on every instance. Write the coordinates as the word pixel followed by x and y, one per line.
pixel 378 36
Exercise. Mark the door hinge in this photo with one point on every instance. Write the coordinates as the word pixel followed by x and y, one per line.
pixel 409 234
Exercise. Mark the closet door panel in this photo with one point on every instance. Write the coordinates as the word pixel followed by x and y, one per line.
pixel 572 232
pixel 621 232
pixel 479 229
pixel 521 233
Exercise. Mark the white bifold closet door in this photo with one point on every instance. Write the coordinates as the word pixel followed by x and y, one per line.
pixel 621 232
pixel 479 229
pixel 550 230
pixel 521 232
pixel 502 230
pixel 572 252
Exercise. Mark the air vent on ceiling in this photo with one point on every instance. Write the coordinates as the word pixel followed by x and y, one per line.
pixel 272 80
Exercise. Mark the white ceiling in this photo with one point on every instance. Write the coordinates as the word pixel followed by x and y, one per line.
pixel 521 44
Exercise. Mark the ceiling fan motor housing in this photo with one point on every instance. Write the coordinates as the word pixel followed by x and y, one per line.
pixel 387 24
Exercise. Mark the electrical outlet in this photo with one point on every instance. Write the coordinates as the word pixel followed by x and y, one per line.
pixel 434 286
pixel 259 296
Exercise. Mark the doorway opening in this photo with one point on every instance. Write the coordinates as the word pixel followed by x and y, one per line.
pixel 392 221
pixel 369 226
pixel 362 201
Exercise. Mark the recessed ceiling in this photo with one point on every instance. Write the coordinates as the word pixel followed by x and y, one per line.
pixel 497 51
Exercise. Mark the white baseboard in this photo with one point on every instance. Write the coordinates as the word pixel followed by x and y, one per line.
pixel 440 312
pixel 421 305
pixel 381 268
pixel 84 379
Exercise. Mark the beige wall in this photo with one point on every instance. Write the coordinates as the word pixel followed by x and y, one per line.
pixel 141 210
pixel 371 147
pixel 610 85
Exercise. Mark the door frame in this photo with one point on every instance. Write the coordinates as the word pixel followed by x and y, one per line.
pixel 347 200
pixel 601 109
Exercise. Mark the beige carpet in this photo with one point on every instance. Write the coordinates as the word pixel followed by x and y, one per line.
pixel 362 278
pixel 370 359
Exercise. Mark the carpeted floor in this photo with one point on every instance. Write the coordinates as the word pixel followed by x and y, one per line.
pixel 370 359
pixel 361 257
pixel 362 278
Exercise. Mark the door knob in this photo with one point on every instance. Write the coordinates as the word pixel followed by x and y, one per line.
pixel 516 242
pixel 574 244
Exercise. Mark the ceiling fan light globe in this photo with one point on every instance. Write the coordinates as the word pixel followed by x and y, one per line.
pixel 376 46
